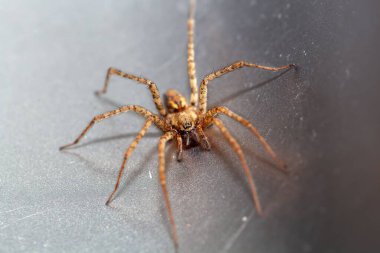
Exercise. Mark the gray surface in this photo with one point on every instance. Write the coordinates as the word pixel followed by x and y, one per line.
pixel 323 120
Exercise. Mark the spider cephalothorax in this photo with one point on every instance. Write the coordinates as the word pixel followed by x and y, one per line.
pixel 181 116
pixel 182 122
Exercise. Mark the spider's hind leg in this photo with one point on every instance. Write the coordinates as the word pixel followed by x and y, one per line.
pixel 161 169
pixel 236 147
pixel 221 109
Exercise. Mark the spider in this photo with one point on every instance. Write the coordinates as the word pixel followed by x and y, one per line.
pixel 184 123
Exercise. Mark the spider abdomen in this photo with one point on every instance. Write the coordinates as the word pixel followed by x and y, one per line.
pixel 175 101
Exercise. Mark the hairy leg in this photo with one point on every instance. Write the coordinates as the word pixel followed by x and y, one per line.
pixel 179 147
pixel 191 70
pixel 161 158
pixel 236 147
pixel 151 85
pixel 214 111
pixel 127 154
pixel 138 109
pixel 223 71
pixel 203 138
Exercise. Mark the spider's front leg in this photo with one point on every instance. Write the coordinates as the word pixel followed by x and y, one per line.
pixel 223 71
pixel 161 158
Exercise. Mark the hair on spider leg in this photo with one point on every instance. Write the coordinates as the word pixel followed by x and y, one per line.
pixel 178 120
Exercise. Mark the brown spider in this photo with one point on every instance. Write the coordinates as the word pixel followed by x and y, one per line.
pixel 185 123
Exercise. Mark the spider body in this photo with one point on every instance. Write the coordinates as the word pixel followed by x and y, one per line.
pixel 182 122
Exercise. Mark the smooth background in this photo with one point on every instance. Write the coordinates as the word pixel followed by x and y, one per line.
pixel 323 120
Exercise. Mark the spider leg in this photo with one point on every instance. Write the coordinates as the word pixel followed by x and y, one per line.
pixel 138 109
pixel 225 70
pixel 203 138
pixel 191 70
pixel 179 147
pixel 236 147
pixel 127 154
pixel 151 85
pixel 161 157
pixel 221 109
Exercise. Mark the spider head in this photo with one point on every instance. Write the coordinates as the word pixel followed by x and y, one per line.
pixel 175 102
pixel 186 120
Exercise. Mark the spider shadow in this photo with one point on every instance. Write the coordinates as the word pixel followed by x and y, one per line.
pixel 130 176
pixel 243 91
pixel 108 101
pixel 88 163
pixel 110 138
